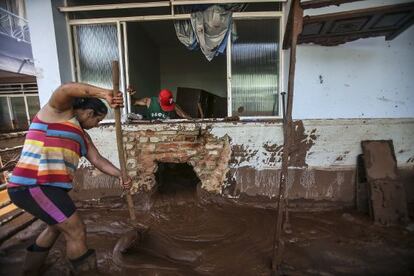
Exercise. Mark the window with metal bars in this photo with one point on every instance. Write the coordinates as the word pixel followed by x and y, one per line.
pixel 19 103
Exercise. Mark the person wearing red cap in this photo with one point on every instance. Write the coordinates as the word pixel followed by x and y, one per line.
pixel 161 107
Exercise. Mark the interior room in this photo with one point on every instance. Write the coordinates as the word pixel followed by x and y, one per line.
pixel 157 60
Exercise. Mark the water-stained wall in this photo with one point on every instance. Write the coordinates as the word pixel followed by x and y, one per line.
pixel 322 166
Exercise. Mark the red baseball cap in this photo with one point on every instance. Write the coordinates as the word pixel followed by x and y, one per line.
pixel 166 100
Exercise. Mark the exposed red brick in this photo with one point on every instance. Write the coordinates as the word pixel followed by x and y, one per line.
pixel 209 160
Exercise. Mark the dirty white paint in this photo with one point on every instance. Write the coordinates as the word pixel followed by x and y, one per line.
pixel 367 78
pixel 338 141
pixel 252 136
pixel 104 139
pixel 336 146
pixel 333 154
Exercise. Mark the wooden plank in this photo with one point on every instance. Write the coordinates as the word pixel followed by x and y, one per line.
pixel 338 28
pixel 403 27
pixel 9 208
pixel 199 2
pixel 4 196
pixel 314 4
pixel 379 160
pixel 287 38
pixel 361 190
pixel 114 6
pixel 389 203
pixel 10 216
pixel 296 15
pixel 186 16
pixel 157 4
pixel 387 193
pixel 2 176
pixel 405 7
pixel 14 226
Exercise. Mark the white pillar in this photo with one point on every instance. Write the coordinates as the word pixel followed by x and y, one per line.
pixel 49 38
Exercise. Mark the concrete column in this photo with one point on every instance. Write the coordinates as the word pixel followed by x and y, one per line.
pixel 49 41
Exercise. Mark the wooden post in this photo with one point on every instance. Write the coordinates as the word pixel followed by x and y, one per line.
pixel 293 29
pixel 119 142
pixel 2 177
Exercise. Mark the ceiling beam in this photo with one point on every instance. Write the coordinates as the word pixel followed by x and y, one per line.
pixel 314 4
pixel 156 4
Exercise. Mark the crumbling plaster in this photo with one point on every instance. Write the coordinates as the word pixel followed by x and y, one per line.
pixel 328 169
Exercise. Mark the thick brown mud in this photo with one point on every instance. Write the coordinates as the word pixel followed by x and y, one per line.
pixel 193 235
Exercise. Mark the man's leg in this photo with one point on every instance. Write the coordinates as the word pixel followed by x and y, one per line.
pixel 77 252
pixel 75 234
pixel 36 253
pixel 48 237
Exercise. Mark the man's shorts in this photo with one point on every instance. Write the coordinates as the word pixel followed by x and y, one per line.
pixel 49 204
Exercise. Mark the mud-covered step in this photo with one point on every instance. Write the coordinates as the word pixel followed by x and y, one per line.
pixel 9 216
pixel 14 225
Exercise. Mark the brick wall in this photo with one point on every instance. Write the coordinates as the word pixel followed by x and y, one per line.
pixel 208 155
pixel 326 169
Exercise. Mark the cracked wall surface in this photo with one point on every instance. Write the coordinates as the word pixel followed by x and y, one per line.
pixel 321 168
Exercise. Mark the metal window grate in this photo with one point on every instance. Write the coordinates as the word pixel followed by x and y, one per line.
pixel 255 69
pixel 97 46
pixel 19 102
pixel 14 26
pixel 18 88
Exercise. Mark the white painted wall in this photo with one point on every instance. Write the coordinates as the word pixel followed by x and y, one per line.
pixel 45 38
pixel 335 149
pixel 368 78
pixel 183 68
pixel 334 138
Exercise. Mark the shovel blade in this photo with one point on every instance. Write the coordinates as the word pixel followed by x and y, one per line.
pixel 126 241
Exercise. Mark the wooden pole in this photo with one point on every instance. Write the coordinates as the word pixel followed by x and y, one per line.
pixel 294 27
pixel 119 142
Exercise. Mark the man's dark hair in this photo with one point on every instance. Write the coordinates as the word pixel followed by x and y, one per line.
pixel 98 106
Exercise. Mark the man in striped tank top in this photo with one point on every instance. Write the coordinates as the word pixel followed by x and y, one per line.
pixel 43 176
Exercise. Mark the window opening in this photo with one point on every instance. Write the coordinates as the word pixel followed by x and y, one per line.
pixel 19 103
pixel 244 81
pixel 255 68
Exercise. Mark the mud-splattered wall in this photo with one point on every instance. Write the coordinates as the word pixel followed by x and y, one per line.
pixel 323 164
pixel 367 78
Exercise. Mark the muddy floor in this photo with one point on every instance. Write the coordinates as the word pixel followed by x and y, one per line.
pixel 193 236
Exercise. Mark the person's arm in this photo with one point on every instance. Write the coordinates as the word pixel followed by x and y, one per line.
pixel 143 102
pixel 181 112
pixel 103 164
pixel 62 99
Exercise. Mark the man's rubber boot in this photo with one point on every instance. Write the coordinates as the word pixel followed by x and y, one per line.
pixel 35 258
pixel 85 264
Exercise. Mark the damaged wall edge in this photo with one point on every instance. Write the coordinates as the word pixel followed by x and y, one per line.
pixel 322 167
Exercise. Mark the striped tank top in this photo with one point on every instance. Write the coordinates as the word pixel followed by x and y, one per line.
pixel 50 154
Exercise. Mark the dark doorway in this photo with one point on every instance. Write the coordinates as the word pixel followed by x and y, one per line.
pixel 177 181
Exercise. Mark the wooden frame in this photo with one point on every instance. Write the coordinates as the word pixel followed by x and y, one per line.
pixel 314 4
pixel 338 28
pixel 157 4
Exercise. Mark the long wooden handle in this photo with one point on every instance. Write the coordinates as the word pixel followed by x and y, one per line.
pixel 119 142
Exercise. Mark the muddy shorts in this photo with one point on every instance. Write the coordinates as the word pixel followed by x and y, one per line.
pixel 49 204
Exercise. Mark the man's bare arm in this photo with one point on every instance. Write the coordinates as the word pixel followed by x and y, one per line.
pixel 62 98
pixel 104 165
pixel 143 102
pixel 100 162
